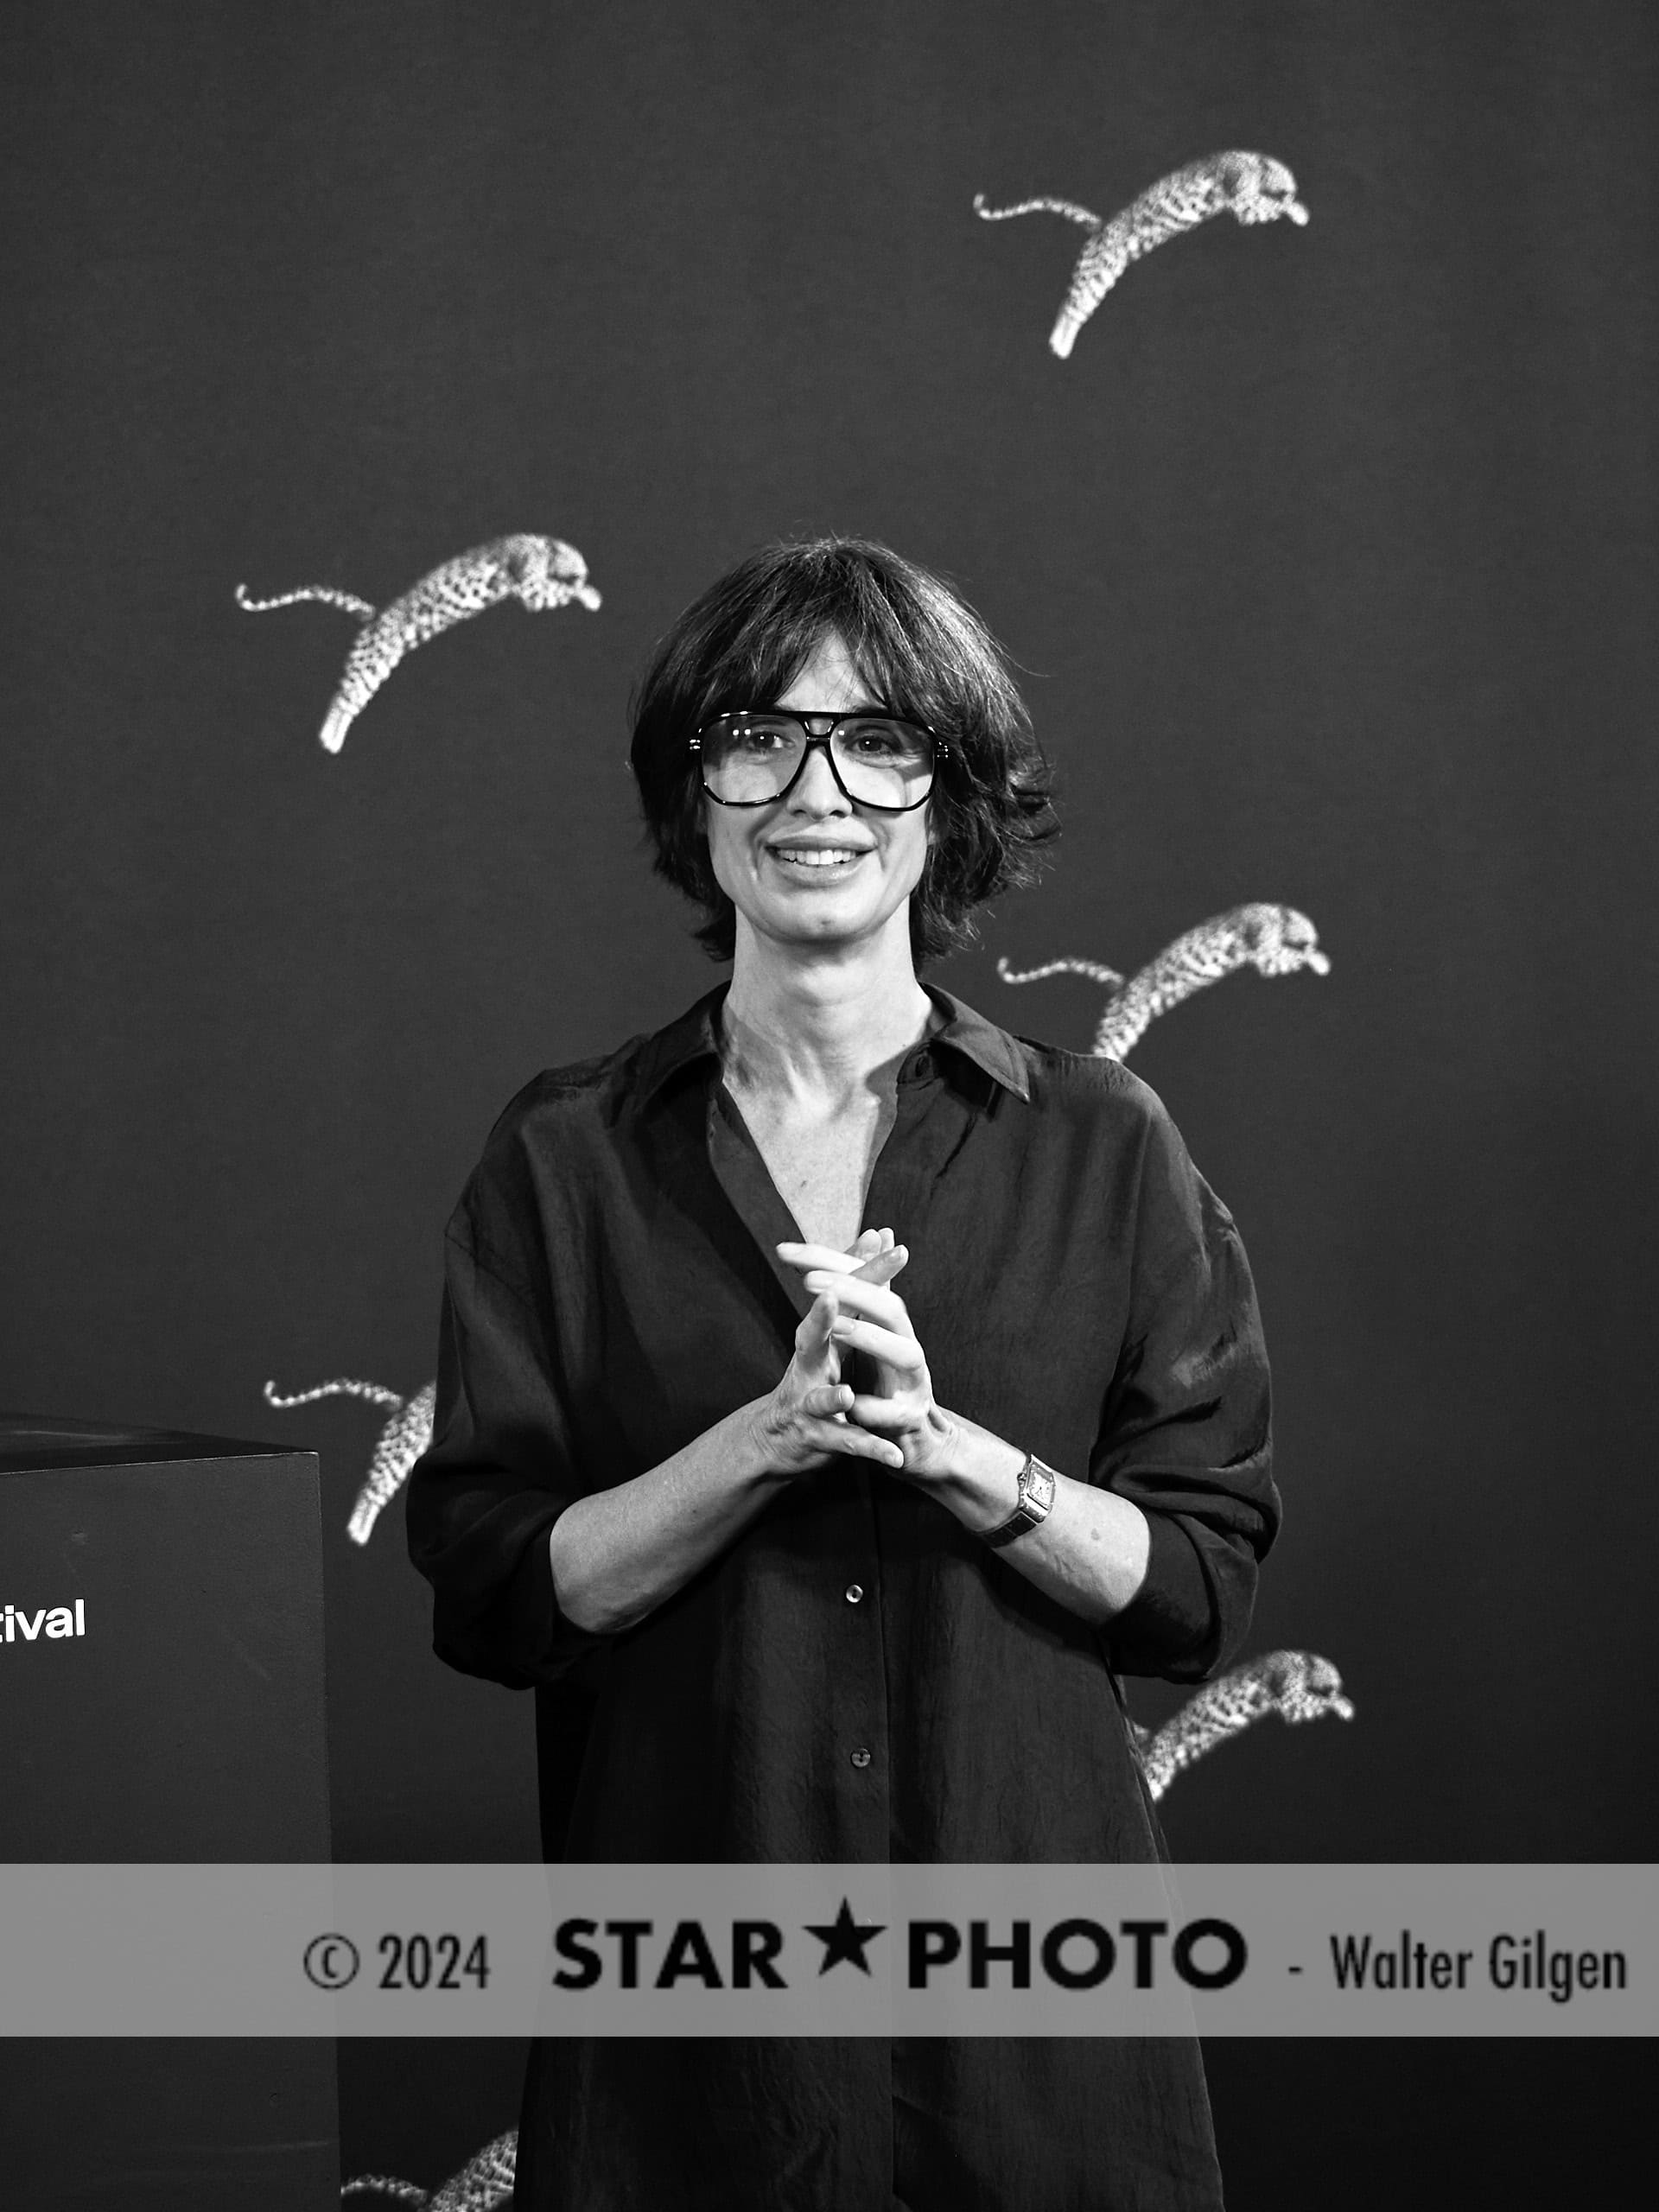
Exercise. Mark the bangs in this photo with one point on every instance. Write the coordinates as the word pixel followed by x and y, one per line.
pixel 924 654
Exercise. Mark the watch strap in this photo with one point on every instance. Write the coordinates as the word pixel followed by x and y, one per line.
pixel 1036 1497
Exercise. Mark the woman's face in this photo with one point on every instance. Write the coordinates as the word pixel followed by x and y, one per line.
pixel 815 867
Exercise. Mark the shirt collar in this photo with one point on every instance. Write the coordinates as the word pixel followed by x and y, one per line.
pixel 696 1036
pixel 981 1042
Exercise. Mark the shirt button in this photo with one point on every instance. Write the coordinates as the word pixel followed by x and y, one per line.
pixel 855 1591
pixel 861 1757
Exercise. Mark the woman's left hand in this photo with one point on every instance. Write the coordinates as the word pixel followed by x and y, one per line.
pixel 1089 1553
pixel 872 1320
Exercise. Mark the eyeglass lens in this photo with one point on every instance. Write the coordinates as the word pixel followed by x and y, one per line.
pixel 748 759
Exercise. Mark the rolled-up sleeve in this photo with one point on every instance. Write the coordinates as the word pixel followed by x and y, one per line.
pixel 501 1469
pixel 1186 1431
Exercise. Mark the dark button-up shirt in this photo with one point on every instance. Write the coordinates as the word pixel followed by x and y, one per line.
pixel 857 1677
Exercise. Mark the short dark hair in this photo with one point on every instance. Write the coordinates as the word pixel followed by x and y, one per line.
pixel 925 655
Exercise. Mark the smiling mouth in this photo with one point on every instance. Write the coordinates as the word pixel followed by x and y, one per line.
pixel 817 856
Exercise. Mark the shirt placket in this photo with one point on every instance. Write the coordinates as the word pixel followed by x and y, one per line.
pixel 846 1572
pixel 933 1118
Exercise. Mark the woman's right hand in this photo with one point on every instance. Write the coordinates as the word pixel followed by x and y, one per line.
pixel 804 1420
pixel 616 1554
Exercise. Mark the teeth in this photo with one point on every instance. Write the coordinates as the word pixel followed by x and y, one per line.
pixel 820 856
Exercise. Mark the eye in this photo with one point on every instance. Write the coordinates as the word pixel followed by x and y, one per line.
pixel 873 741
pixel 755 735
pixel 889 742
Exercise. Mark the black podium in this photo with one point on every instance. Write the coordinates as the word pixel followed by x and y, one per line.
pixel 162 1699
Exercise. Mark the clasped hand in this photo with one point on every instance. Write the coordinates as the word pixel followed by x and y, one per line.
pixel 855 1309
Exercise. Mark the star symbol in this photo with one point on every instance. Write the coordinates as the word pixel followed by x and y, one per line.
pixel 843 1938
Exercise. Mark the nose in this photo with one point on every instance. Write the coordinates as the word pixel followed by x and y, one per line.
pixel 816 791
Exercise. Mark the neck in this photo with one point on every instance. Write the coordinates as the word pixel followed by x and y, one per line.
pixel 807 1019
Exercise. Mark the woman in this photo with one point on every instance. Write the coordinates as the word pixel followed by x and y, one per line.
pixel 851 1574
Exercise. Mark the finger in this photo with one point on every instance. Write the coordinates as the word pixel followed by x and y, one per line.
pixel 856 1443
pixel 813 1337
pixel 825 1257
pixel 902 1352
pixel 858 1295
pixel 884 1266
pixel 884 1416
pixel 827 1401
pixel 880 1265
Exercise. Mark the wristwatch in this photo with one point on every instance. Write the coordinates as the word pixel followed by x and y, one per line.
pixel 1036 1497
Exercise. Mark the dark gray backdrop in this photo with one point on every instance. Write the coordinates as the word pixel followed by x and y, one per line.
pixel 1330 553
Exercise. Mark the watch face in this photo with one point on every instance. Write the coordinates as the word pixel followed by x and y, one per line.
pixel 1037 1489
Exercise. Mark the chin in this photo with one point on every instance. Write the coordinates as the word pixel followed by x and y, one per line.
pixel 828 923
pixel 820 929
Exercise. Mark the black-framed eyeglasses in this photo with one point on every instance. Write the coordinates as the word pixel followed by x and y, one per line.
pixel 754 759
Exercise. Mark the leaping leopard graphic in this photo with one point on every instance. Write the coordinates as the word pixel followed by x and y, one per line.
pixel 1274 940
pixel 1252 188
pixel 401 1442
pixel 1296 1685
pixel 540 573
pixel 483 2183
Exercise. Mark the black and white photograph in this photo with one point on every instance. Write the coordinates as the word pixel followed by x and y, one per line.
pixel 828 851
